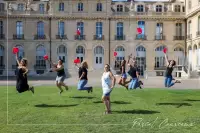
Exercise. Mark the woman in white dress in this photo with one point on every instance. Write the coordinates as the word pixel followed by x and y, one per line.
pixel 108 83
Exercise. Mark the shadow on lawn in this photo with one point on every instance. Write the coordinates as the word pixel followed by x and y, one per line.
pixel 82 97
pixel 115 102
pixel 192 100
pixel 49 106
pixel 136 112
pixel 178 105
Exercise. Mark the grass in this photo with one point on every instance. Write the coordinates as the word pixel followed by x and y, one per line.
pixel 148 107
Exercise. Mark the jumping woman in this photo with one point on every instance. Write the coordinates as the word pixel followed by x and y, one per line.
pixel 59 68
pixel 168 75
pixel 83 78
pixel 22 82
pixel 122 80
pixel 108 83
pixel 134 73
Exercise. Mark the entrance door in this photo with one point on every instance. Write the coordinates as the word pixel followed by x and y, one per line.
pixel 98 61
pixel 141 65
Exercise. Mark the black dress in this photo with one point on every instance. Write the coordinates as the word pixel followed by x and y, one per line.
pixel 22 82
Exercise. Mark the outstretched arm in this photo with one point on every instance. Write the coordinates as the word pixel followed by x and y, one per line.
pixel 77 67
pixel 17 59
pixel 53 64
pixel 166 59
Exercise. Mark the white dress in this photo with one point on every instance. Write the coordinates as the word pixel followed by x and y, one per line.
pixel 106 83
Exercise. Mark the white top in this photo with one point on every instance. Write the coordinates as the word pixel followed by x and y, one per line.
pixel 106 82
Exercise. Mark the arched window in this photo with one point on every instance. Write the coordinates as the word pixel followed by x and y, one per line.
pixel 179 55
pixel 120 56
pixel 140 48
pixel 80 50
pixel 62 49
pixel 159 58
pixel 80 53
pixel 40 52
pixel 98 50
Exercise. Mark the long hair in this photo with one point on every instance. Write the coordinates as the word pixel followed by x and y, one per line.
pixel 25 62
pixel 84 64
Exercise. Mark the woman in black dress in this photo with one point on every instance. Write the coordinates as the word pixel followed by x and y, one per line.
pixel 22 70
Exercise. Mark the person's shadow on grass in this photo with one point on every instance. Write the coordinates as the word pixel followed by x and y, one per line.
pixel 50 106
pixel 192 100
pixel 136 112
pixel 82 97
pixel 114 102
pixel 178 105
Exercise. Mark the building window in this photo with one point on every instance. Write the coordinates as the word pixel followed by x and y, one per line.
pixel 120 56
pixel 179 56
pixel 177 8
pixel 199 23
pixel 183 8
pixel 80 53
pixel 40 52
pixel 159 8
pixel 160 58
pixel 80 6
pixel 141 24
pixel 20 7
pixel 61 28
pixel 140 8
pixel 189 4
pixel 61 6
pixel 99 7
pixel 189 27
pixel 40 28
pixel 119 8
pixel 2 8
pixel 1 27
pixel 80 26
pixel 120 29
pixel 178 29
pixel 159 30
pixel 1 55
pixel 99 28
pixel 41 8
pixel 19 29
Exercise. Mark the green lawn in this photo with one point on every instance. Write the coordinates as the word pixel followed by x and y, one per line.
pixel 136 111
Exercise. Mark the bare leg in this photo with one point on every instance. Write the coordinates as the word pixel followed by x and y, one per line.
pixel 59 87
pixel 109 108
pixel 122 82
pixel 106 104
pixel 63 84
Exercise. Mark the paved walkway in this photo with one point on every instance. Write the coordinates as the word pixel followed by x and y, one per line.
pixel 157 82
